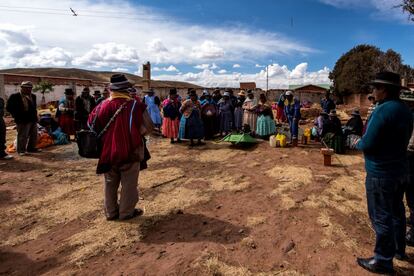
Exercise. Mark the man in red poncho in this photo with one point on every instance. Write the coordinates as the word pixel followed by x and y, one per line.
pixel 122 147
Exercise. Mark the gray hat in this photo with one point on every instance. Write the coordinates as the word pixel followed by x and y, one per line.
pixel 289 93
pixel 226 94
pixel 356 112
pixel 28 84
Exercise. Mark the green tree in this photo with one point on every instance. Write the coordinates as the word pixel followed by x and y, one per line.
pixel 360 64
pixel 43 87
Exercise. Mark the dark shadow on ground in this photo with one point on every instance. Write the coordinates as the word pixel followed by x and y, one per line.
pixel 179 227
pixel 6 197
pixel 14 263
pixel 20 165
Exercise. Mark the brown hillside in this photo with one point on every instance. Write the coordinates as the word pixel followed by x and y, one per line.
pixel 101 76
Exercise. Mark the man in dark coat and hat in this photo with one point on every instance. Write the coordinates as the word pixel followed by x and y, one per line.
pixel 385 145
pixel 22 106
pixel 84 104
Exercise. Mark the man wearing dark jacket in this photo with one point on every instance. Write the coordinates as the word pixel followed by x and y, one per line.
pixel 385 150
pixel 22 106
pixel 3 153
pixel 84 104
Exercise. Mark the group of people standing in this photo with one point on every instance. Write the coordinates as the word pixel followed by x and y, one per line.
pixel 208 116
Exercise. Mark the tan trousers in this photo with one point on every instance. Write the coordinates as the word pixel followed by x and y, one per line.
pixel 127 176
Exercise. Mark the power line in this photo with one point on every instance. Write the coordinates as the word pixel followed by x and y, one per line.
pixel 79 14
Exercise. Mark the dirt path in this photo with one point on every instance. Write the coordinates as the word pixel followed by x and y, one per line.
pixel 215 210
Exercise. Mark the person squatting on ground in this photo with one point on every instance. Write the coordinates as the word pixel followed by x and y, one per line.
pixel 171 121
pixel 22 106
pixel 191 125
pixel 84 104
pixel 3 153
pixel 292 112
pixel 122 147
pixel 385 150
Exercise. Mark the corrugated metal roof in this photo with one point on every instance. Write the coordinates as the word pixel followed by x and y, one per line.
pixel 322 85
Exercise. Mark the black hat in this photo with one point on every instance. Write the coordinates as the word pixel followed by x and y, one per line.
pixel 119 82
pixel 192 92
pixel 69 91
pixel 86 89
pixel 97 93
pixel 387 78
pixel 173 91
pixel 249 92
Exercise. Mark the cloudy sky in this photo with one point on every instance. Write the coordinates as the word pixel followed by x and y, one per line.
pixel 211 43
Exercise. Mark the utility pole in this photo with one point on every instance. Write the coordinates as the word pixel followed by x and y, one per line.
pixel 267 78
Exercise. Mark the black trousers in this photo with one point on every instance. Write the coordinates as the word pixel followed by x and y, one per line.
pixel 409 189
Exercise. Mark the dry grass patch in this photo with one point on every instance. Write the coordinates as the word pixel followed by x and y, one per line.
pixel 217 155
pixel 65 202
pixel 289 178
pixel 220 182
pixel 348 160
pixel 255 220
pixel 333 231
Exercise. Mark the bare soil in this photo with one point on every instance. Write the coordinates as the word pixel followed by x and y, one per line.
pixel 213 210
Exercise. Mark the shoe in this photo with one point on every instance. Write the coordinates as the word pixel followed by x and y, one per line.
pixel 137 212
pixel 112 218
pixel 374 266
pixel 179 141
pixel 7 157
pixel 401 257
pixel 409 238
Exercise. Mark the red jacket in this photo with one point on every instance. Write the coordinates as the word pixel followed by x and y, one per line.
pixel 121 140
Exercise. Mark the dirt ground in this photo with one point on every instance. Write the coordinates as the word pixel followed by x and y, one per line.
pixel 213 210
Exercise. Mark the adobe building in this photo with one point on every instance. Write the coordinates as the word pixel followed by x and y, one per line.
pixel 313 93
pixel 248 86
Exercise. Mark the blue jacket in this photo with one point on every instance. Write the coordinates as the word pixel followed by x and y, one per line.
pixel 328 105
pixel 386 139
pixel 292 110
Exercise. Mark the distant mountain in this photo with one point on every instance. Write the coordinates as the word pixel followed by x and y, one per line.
pixel 100 76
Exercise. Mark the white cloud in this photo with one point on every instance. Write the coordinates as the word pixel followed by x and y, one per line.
pixel 204 66
pixel 379 9
pixel 208 50
pixel 236 65
pixel 170 68
pixel 121 42
pixel 259 66
pixel 108 54
pixel 55 57
pixel 120 69
pixel 279 77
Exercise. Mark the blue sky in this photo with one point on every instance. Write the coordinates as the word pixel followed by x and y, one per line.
pixel 210 43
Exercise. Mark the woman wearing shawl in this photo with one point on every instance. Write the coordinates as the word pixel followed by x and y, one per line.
pixel 171 122
pixel 153 107
pixel 281 117
pixel 238 111
pixel 65 113
pixel 250 115
pixel 225 108
pixel 208 115
pixel 265 123
pixel 191 125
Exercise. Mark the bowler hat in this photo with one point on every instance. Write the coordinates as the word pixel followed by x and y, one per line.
pixel 97 93
pixel 132 90
pixel 119 82
pixel 192 92
pixel 387 78
pixel 356 112
pixel 173 91
pixel 289 93
pixel 69 91
pixel 86 89
pixel 407 96
pixel 226 94
pixel 28 84
pixel 333 113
